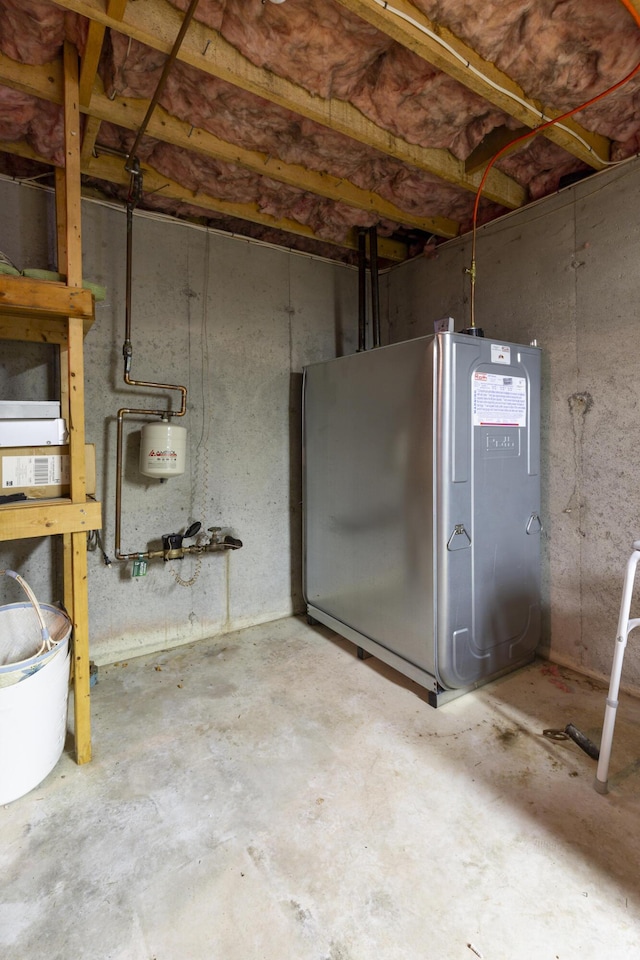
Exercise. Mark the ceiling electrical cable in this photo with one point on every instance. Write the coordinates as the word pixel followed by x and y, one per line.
pixel 539 114
pixel 526 136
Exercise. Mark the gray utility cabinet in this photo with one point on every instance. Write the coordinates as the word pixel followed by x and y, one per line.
pixel 422 506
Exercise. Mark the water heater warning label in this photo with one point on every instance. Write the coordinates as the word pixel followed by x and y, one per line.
pixel 499 401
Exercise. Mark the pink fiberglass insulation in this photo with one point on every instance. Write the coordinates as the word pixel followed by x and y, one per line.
pixel 32 31
pixel 332 53
pixel 244 119
pixel 23 117
pixel 424 105
pixel 540 165
pixel 321 46
pixel 17 110
pixel 560 51
pixel 232 184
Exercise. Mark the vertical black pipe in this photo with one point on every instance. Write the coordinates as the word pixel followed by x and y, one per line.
pixel 362 291
pixel 162 82
pixel 375 286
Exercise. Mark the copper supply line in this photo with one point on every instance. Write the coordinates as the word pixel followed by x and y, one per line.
pixel 132 166
pixel 135 191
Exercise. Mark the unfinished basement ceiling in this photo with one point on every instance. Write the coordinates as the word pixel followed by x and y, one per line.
pixel 298 122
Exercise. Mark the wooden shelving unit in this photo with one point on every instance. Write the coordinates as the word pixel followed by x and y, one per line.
pixel 60 315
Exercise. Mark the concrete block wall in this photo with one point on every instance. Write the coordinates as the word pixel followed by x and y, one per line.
pixel 564 271
pixel 233 321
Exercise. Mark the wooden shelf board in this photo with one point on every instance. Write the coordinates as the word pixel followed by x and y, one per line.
pixel 43 518
pixel 16 326
pixel 44 300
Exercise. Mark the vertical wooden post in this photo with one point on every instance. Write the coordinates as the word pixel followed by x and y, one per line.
pixel 81 670
pixel 75 545
pixel 71 103
pixel 63 368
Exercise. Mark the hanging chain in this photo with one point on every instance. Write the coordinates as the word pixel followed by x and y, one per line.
pixel 192 579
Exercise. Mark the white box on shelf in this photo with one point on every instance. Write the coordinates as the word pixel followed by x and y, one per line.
pixel 33 433
pixel 29 409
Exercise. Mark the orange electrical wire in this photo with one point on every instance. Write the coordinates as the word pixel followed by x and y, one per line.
pixel 532 133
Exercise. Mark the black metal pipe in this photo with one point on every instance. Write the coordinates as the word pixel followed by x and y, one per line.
pixel 362 290
pixel 375 285
pixel 162 81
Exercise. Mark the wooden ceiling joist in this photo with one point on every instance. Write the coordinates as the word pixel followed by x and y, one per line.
pixel 588 148
pixel 156 23
pixel 111 169
pixel 93 49
pixel 43 82
pixel 498 139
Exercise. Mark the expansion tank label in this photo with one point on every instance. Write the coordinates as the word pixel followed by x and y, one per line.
pixel 499 401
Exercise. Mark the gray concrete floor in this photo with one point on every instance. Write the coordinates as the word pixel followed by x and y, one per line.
pixel 267 796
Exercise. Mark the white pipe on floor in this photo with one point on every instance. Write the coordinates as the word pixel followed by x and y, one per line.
pixel 625 626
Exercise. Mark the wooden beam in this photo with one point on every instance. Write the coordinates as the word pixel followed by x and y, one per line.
pixel 89 137
pixel 93 49
pixel 61 221
pixel 497 140
pixel 90 59
pixel 61 261
pixel 22 296
pixel 73 353
pixel 592 147
pixel 81 665
pixel 112 170
pixel 32 330
pixel 71 106
pixel 156 23
pixel 128 112
pixel 46 517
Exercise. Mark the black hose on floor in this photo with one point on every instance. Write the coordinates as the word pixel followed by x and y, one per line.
pixel 571 732
pixel 583 742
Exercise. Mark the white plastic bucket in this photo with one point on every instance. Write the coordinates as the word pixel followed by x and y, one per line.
pixel 33 726
pixel 34 692
pixel 20 641
pixel 30 634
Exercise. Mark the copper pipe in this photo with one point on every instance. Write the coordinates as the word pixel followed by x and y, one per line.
pixel 135 191
pixel 161 82
pixel 119 468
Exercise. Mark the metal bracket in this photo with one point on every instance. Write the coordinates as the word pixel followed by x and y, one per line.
pixel 458 531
